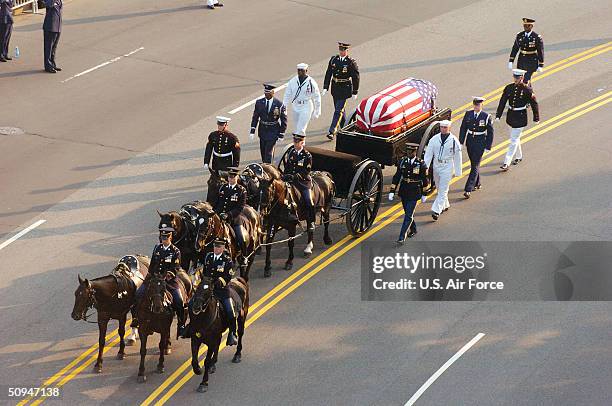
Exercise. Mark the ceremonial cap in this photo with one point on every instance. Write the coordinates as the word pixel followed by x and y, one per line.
pixel 478 99
pixel 268 88
pixel 518 72
pixel 166 229
pixel 298 136
pixel 344 45
pixel 445 123
pixel 223 120
pixel 302 65
pixel 232 170
pixel 528 20
pixel 411 146
pixel 219 242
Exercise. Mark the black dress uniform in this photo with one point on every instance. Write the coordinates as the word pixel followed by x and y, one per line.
pixel 530 49
pixel 343 73
pixel 477 132
pixel 411 175
pixel 518 98
pixel 6 28
pixel 271 116
pixel 298 165
pixel 52 27
pixel 224 149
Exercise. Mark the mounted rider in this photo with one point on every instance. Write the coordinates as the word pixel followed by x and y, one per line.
pixel 166 260
pixel 231 200
pixel 297 168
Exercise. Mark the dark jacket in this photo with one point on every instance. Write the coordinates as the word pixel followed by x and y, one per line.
pixel 220 270
pixel 411 177
pixel 299 164
pixel 272 124
pixel 530 51
pixel 518 98
pixel 477 129
pixel 53 16
pixel 224 149
pixel 231 200
pixel 6 14
pixel 343 75
pixel 163 260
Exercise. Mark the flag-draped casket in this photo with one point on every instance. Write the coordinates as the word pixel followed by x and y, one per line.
pixel 397 108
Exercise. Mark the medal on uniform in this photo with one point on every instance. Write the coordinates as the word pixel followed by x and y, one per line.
pixel 220 268
pixel 234 198
pixel 276 112
pixel 168 259
pixel 301 162
pixel 416 170
pixel 482 123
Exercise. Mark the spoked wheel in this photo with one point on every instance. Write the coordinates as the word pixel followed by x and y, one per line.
pixel 363 200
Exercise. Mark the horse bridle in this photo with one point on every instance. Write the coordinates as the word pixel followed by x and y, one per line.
pixel 91 303
pixel 208 233
pixel 160 295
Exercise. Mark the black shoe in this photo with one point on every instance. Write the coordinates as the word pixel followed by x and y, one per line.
pixel 8 58
pixel 231 338
pixel 435 216
pixel 467 194
pixel 50 70
pixel 219 5
pixel 504 167
pixel 517 161
pixel 210 7
pixel 330 136
pixel 400 242
pixel 3 60
pixel 411 234
pixel 134 322
pixel 183 332
pixel 445 209
pixel 57 69
pixel 478 187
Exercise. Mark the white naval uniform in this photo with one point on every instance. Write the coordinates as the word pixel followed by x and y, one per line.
pixel 305 102
pixel 212 2
pixel 447 162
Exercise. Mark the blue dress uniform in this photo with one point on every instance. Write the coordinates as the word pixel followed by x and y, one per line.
pixel 272 118
pixel 530 49
pixel 411 175
pixel 477 132
pixel 343 74
pixel 298 165
pixel 6 28
pixel 52 28
pixel 231 201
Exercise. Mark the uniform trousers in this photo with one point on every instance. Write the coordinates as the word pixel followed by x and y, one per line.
pixel 514 148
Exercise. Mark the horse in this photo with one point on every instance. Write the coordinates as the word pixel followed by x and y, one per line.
pixel 112 296
pixel 184 223
pixel 155 314
pixel 256 178
pixel 207 325
pixel 279 206
pixel 211 227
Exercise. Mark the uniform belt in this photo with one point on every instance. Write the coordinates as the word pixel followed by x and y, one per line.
pixel 341 80
pixel 301 101
pixel 528 52
pixel 444 161
pixel 476 132
pixel 215 153
pixel 408 180
pixel 517 108
pixel 269 122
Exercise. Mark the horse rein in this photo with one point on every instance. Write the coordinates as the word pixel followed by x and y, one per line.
pixel 91 303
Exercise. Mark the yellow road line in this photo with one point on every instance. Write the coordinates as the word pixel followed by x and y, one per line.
pixel 581 110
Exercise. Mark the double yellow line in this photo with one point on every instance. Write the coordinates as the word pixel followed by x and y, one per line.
pixel 340 248
pixel 89 356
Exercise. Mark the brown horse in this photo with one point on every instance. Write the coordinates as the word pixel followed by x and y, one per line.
pixel 280 206
pixel 256 178
pixel 112 296
pixel 155 314
pixel 212 227
pixel 207 325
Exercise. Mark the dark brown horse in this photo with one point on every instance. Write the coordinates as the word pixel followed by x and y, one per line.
pixel 212 227
pixel 281 201
pixel 112 296
pixel 256 178
pixel 208 324
pixel 155 314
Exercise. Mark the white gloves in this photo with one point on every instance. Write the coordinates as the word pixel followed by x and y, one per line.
pixel 423 199
pixel 540 69
pixel 324 92
pixel 510 65
pixel 252 136
pixel 354 97
pixel 205 166
pixel 391 195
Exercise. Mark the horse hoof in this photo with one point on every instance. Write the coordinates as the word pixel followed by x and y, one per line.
pixel 267 273
pixel 97 369
pixel 197 370
pixel 212 369
pixel 142 379
pixel 328 241
pixel 160 370
pixel 120 356
pixel 307 254
pixel 237 358
pixel 202 388
pixel 288 266
pixel 168 351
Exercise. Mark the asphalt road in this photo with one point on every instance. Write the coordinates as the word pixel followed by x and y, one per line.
pixel 104 150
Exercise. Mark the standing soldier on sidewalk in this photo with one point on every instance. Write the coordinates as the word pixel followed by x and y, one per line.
pixel 6 28
pixel 530 47
pixel 224 149
pixel 477 133
pixel 52 28
pixel 518 95
pixel 343 72
pixel 271 115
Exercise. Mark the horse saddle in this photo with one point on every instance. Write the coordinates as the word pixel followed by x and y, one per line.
pixel 194 210
pixel 128 274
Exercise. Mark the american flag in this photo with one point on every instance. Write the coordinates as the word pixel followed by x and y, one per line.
pixel 398 105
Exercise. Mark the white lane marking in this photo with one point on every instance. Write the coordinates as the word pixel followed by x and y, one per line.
pixel 103 64
pixel 247 104
pixel 443 368
pixel 21 233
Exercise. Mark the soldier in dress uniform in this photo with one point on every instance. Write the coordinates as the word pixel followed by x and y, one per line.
pixel 298 165
pixel 477 133
pixel 271 115
pixel 518 95
pixel 530 47
pixel 343 72
pixel 166 260
pixel 224 149
pixel 231 200
pixel 411 176
pixel 303 98
pixel 52 27
pixel 6 28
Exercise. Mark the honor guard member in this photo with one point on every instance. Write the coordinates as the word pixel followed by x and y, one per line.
pixel 298 165
pixel 530 49
pixel 411 176
pixel 343 73
pixel 444 150
pixel 52 27
pixel 271 115
pixel 231 200
pixel 302 96
pixel 224 149
pixel 6 28
pixel 518 95
pixel 477 134
pixel 166 260
pixel 219 267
